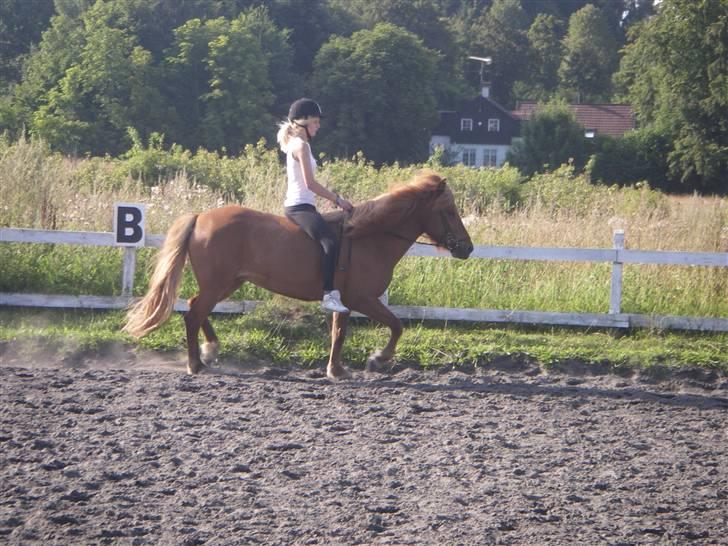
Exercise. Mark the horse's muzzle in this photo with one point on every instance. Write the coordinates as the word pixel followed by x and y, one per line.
pixel 461 248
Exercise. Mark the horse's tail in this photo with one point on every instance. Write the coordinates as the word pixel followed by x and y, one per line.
pixel 156 306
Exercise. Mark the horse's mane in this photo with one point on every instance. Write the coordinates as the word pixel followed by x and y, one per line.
pixel 390 209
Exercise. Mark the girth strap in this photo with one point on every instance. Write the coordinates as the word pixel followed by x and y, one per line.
pixel 345 243
pixel 343 262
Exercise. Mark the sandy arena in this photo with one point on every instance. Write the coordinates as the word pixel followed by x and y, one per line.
pixel 133 451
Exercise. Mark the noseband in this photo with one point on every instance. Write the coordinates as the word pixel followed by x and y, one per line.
pixel 451 243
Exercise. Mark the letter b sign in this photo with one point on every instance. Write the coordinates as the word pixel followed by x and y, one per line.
pixel 129 224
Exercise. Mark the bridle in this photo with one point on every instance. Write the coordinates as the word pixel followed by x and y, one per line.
pixel 450 243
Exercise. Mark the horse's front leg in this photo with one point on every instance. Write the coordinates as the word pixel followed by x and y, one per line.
pixel 377 311
pixel 338 333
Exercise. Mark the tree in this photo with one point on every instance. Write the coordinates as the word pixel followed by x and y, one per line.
pixel 376 91
pixel 424 19
pixel 637 156
pixel 91 79
pixel 675 74
pixel 152 22
pixel 217 78
pixel 310 24
pixel 550 139
pixel 278 53
pixel 58 50
pixel 72 9
pixel 617 12
pixel 545 52
pixel 21 25
pixel 590 56
pixel 97 88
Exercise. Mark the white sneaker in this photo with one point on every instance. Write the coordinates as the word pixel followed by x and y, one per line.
pixel 332 302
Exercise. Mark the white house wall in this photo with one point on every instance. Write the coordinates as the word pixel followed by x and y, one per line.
pixel 501 152
pixel 444 142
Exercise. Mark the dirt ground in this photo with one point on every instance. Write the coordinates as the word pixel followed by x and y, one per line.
pixel 130 450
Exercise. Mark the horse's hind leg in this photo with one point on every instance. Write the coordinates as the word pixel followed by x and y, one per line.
pixel 377 311
pixel 200 307
pixel 209 350
pixel 338 332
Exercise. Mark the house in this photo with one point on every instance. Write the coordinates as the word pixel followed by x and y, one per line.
pixel 478 134
pixel 481 132
pixel 598 119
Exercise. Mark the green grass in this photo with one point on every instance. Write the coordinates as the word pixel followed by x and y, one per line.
pixel 562 209
pixel 484 284
pixel 497 284
pixel 285 332
pixel 60 269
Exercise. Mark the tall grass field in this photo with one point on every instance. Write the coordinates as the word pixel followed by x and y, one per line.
pixel 41 189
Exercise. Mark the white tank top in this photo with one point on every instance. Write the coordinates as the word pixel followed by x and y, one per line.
pixel 298 193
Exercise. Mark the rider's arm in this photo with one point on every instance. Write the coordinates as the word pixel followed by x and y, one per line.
pixel 302 152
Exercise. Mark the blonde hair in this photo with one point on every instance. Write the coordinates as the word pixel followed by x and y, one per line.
pixel 285 132
pixel 288 129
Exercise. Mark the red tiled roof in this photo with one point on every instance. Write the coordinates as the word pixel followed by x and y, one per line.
pixel 605 119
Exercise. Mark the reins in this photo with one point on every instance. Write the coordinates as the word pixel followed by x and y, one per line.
pixel 409 239
pixel 450 242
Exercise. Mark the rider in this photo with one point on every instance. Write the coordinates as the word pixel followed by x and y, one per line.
pixel 294 136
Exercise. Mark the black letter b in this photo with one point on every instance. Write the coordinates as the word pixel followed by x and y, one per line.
pixel 128 228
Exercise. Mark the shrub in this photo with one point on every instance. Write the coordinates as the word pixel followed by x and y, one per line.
pixel 152 163
pixel 250 177
pixel 638 156
pixel 475 189
pixel 478 189
pixel 551 138
pixel 563 190
pixel 356 178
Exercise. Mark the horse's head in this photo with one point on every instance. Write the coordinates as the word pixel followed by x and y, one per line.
pixel 442 223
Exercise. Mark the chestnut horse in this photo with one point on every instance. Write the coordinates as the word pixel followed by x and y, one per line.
pixel 231 245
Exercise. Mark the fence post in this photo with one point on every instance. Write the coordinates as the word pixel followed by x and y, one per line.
pixel 615 300
pixel 127 278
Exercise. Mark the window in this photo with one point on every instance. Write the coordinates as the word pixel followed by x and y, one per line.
pixel 466 124
pixel 469 157
pixel 493 125
pixel 590 133
pixel 490 157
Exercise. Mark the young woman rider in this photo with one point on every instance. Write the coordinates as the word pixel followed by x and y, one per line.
pixel 294 137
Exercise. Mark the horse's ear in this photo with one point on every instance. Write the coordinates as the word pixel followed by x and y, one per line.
pixel 441 186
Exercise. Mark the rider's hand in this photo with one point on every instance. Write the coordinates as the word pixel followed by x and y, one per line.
pixel 344 203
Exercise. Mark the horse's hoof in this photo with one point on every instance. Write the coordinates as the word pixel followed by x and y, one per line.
pixel 372 365
pixel 374 362
pixel 209 352
pixel 338 374
pixel 193 368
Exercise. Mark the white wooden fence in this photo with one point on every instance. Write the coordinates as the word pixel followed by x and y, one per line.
pixel 617 256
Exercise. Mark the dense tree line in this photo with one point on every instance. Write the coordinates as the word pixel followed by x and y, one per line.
pixel 89 76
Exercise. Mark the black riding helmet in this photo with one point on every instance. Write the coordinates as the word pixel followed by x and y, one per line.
pixel 304 108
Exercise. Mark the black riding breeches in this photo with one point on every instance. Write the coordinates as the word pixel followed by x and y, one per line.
pixel 309 219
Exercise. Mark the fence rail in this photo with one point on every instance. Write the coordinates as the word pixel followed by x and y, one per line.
pixel 617 256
